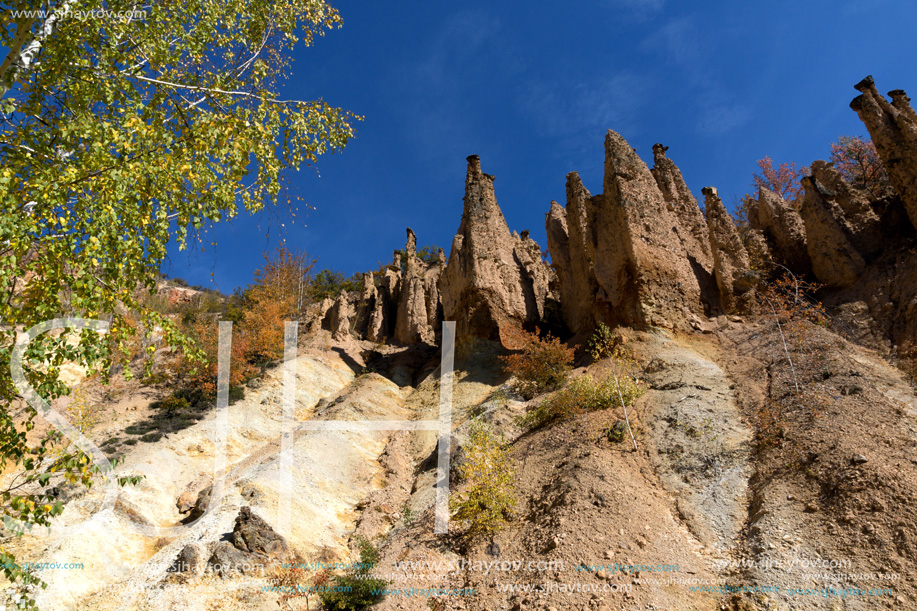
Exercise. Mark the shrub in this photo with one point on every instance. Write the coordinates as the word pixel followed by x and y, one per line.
pixel 795 310
pixel 856 159
pixel 172 405
pixel 356 589
pixel 297 582
pixel 82 411
pixel 604 343
pixel 490 492
pixel 541 366
pixel 584 394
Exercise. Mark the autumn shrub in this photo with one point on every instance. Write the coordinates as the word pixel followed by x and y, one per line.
pixel 784 180
pixel 279 293
pixel 296 582
pixel 540 366
pixel 858 162
pixel 796 313
pixel 200 371
pixel 356 589
pixel 584 394
pixel 605 343
pixel 82 411
pixel 489 495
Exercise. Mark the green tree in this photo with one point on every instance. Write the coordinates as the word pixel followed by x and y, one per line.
pixel 329 284
pixel 122 128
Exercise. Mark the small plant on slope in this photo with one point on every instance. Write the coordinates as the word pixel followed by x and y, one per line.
pixel 490 494
pixel 585 394
pixel 356 589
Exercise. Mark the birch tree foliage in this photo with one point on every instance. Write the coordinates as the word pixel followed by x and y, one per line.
pixel 123 126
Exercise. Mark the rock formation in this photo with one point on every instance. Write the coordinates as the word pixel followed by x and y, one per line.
pixel 835 261
pixel 691 227
pixel 492 278
pixel 403 306
pixel 339 316
pixel 857 217
pixel 419 294
pixel 366 305
pixel 381 321
pixel 571 242
pixel 893 128
pixel 783 230
pixel 636 254
pixel 730 260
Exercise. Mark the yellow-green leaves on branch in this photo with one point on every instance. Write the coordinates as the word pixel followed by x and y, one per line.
pixel 121 126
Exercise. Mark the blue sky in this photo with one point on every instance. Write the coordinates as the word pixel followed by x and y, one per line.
pixel 532 87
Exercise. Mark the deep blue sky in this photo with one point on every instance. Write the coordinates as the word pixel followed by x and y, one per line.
pixel 532 87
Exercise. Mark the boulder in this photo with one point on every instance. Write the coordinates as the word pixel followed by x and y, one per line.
pixel 191 559
pixel 253 535
pixel 227 560
pixel 199 507
pixel 893 128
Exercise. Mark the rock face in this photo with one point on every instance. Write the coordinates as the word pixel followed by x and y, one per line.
pixel 492 278
pixel 381 321
pixel 571 242
pixel 783 230
pixel 639 253
pixel 340 315
pixel 730 260
pixel 401 305
pixel 857 217
pixel 366 305
pixel 835 261
pixel 893 128
pixel 691 227
pixel 418 305
pixel 641 267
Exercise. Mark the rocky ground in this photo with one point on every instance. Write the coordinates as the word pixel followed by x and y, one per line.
pixel 715 488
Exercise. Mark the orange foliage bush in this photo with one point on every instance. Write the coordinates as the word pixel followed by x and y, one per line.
pixel 542 364
pixel 203 375
pixel 278 294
